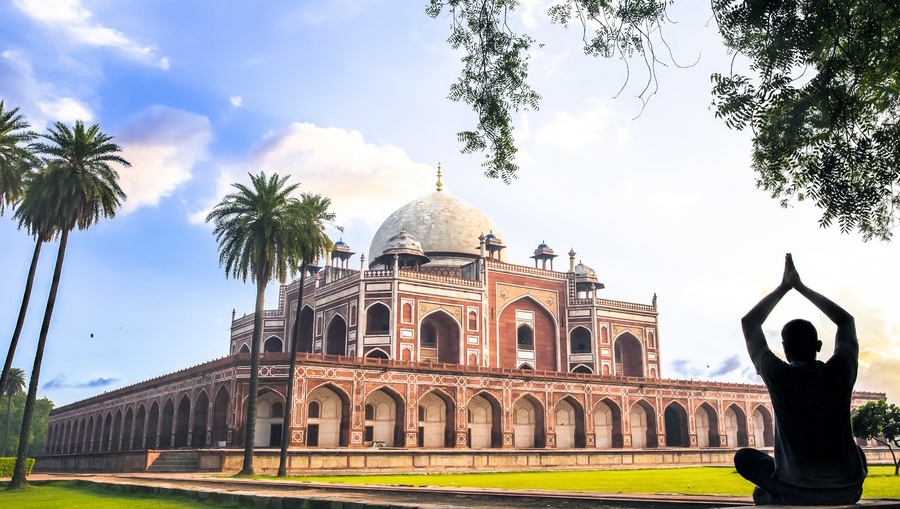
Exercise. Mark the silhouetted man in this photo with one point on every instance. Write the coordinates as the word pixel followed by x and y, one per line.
pixel 816 460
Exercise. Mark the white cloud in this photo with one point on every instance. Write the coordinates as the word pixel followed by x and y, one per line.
pixel 75 22
pixel 530 11
pixel 236 101
pixel 364 181
pixel 66 109
pixel 42 102
pixel 163 145
pixel 593 125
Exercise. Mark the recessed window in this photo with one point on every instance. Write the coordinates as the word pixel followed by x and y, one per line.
pixel 525 338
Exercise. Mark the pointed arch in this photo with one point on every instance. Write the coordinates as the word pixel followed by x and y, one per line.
pixel 628 355
pixel 607 424
pixel 140 428
pixel 201 418
pixel 583 368
pixel 273 344
pixel 569 423
pixel 182 422
pixel 483 411
pixel 221 405
pixel 269 418
pixel 168 421
pixel 79 446
pixel 153 431
pixel 378 319
pixel 244 348
pixel 541 348
pixel 706 422
pixel 437 419
pixel 336 336
pixel 642 420
pixel 106 441
pixel 88 436
pixel 440 336
pixel 763 431
pixel 580 340
pixel 735 426
pixel 387 420
pixel 528 422
pixel 676 423
pixel 377 353
pixel 127 426
pixel 329 425
pixel 305 335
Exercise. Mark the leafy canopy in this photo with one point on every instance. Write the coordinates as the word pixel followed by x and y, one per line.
pixel 822 96
pixel 77 184
pixel 254 229
pixel 15 158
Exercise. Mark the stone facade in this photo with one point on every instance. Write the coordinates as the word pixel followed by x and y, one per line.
pixel 447 348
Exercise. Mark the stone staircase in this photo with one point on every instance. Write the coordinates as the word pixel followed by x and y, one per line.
pixel 176 461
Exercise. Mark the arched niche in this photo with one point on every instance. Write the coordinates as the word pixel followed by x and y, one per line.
pixel 676 423
pixel 328 417
pixel 580 340
pixel 439 338
pixel 628 355
pixel 336 336
pixel 607 425
pixel 642 421
pixel 384 413
pixel 273 344
pixel 483 412
pixel 706 422
pixel 437 420
pixel 528 423
pixel 378 319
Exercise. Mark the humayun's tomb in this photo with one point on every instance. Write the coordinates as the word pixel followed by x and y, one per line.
pixel 437 355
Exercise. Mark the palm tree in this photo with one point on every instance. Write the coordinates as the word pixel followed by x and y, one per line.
pixel 77 186
pixel 29 217
pixel 311 218
pixel 15 159
pixel 15 162
pixel 15 385
pixel 253 227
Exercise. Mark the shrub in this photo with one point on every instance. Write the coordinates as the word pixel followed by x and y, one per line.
pixel 8 464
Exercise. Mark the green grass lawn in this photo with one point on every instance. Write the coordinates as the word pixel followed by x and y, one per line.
pixel 70 495
pixel 881 482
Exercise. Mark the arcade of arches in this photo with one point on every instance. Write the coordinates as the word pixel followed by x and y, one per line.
pixel 437 423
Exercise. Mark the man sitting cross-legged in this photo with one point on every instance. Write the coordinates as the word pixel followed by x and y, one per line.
pixel 816 460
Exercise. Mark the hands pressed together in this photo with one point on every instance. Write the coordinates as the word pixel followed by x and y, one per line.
pixel 791 278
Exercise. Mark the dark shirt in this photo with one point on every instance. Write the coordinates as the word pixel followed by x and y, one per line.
pixel 814 445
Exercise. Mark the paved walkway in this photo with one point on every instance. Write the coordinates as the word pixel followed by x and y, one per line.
pixel 287 495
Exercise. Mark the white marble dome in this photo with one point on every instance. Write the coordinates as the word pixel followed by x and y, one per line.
pixel 447 228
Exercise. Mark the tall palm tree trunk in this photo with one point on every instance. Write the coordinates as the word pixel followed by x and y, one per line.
pixel 250 427
pixel 8 410
pixel 21 320
pixel 18 477
pixel 289 395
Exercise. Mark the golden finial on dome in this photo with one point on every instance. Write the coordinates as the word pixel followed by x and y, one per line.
pixel 440 185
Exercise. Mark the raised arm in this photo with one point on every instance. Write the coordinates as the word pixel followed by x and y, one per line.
pixel 754 319
pixel 846 325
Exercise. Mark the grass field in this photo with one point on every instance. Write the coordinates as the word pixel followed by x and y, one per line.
pixel 881 482
pixel 68 495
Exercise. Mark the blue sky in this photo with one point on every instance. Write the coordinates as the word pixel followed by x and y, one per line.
pixel 349 98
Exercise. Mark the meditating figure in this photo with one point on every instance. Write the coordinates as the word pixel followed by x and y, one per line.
pixel 816 460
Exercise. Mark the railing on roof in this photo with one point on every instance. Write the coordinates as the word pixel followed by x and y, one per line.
pixel 496 264
pixel 625 305
pixel 414 274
